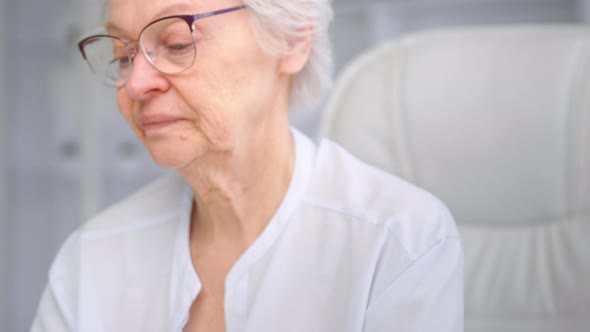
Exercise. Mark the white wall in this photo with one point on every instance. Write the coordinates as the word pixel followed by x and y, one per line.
pixel 584 10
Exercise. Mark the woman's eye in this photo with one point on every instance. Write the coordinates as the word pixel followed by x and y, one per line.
pixel 178 46
pixel 122 62
pixel 178 49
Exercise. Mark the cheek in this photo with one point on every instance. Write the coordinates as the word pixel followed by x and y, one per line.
pixel 125 105
pixel 233 87
pixel 215 108
pixel 234 68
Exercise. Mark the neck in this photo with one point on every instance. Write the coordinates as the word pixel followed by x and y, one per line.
pixel 237 192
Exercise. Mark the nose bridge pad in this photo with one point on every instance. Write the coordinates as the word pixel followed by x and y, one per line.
pixel 148 53
pixel 132 49
pixel 193 31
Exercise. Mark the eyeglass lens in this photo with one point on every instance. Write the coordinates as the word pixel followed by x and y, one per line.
pixel 167 44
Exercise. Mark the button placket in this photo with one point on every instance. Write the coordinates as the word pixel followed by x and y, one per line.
pixel 235 305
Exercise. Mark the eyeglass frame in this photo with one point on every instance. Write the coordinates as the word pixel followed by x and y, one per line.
pixel 132 52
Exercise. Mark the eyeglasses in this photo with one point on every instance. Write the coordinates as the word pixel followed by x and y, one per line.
pixel 167 43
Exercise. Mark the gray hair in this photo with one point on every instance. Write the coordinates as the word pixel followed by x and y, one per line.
pixel 278 23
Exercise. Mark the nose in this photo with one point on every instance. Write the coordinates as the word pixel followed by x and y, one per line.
pixel 144 80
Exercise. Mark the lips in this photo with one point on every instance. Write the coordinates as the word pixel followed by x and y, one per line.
pixel 154 122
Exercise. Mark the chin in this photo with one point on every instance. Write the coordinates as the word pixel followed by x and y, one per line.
pixel 173 156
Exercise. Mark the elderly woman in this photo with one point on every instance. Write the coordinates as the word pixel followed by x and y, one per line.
pixel 260 229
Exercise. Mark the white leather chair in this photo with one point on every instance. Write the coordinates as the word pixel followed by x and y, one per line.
pixel 496 122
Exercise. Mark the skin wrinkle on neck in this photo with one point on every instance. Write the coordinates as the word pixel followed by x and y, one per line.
pixel 237 201
pixel 237 191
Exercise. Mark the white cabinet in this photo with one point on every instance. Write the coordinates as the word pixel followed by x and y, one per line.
pixel 3 159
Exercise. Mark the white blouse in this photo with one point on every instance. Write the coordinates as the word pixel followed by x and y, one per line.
pixel 351 248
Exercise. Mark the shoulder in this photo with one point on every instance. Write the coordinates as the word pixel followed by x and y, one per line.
pixel 130 240
pixel 155 201
pixel 344 185
pixel 155 204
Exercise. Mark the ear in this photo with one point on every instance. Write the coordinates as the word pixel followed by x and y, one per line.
pixel 293 61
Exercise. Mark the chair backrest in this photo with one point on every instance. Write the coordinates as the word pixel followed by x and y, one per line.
pixel 495 121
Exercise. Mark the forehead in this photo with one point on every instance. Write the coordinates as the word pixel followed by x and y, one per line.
pixel 130 16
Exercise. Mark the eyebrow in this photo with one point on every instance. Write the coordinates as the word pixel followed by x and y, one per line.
pixel 113 29
pixel 178 8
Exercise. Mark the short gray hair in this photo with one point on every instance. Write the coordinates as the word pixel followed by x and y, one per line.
pixel 277 22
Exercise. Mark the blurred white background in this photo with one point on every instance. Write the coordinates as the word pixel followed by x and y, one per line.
pixel 65 153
